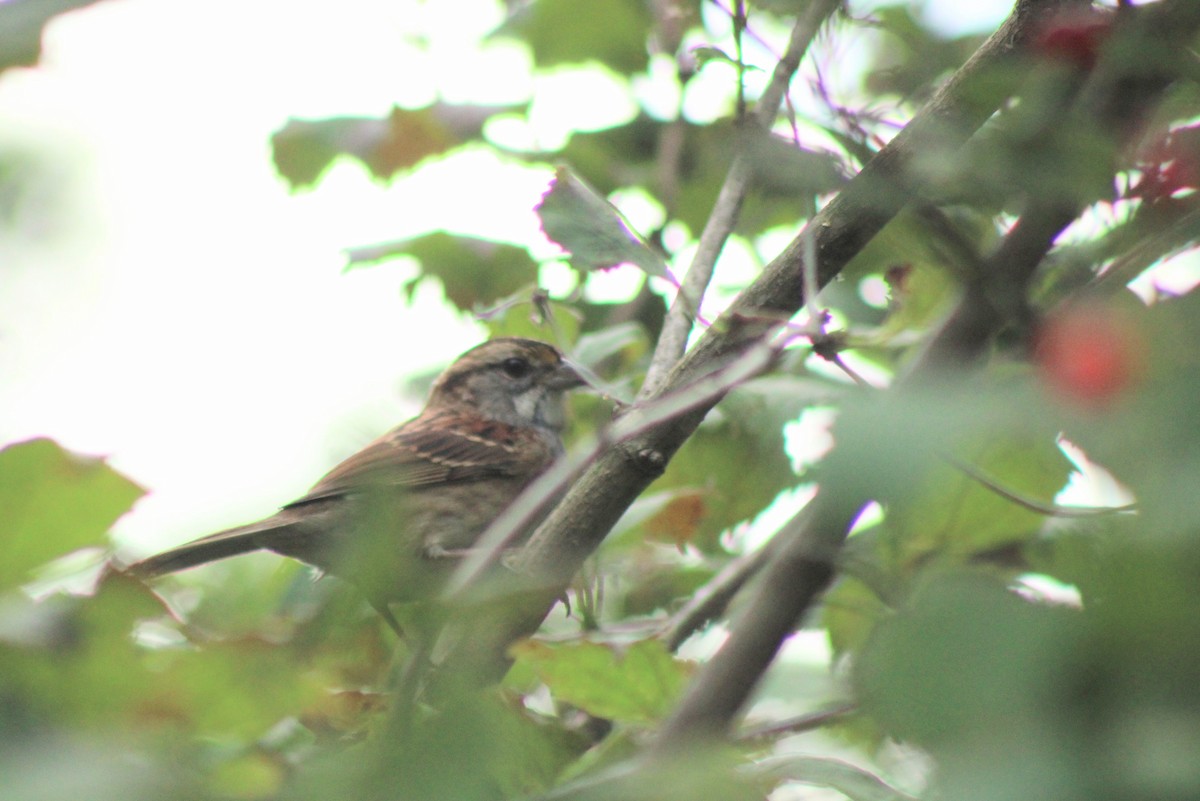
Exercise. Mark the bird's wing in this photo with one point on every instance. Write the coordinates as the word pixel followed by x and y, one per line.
pixel 433 449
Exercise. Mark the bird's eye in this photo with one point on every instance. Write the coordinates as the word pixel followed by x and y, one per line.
pixel 516 367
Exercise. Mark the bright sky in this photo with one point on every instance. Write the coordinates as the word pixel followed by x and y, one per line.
pixel 170 305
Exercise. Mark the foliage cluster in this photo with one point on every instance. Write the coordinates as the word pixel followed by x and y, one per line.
pixel 1023 647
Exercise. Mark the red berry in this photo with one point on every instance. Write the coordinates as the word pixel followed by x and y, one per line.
pixel 1074 36
pixel 1088 355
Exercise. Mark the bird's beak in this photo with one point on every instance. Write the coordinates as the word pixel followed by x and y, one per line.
pixel 567 376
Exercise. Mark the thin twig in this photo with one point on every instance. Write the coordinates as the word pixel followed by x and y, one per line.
pixel 677 327
pixel 1048 509
pixel 799 724
pixel 710 601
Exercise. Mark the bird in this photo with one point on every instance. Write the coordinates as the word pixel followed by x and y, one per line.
pixel 393 517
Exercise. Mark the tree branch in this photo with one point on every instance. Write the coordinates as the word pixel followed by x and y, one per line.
pixel 796 576
pixel 709 602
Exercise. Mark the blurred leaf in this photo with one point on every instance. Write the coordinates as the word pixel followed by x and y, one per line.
pixel 790 8
pixel 591 229
pixel 566 32
pixel 241 596
pixel 638 683
pixel 966 651
pixel 910 59
pixel 303 149
pixel 250 776
pixel 345 714
pixel 535 749
pixel 1146 434
pixel 1027 149
pixel 480 746
pixel 950 515
pixel 473 272
pixel 623 155
pixel 623 338
pixel 699 773
pixel 48 767
pixel 21 25
pixel 781 167
pixel 238 688
pixel 54 502
pixel 920 267
pixel 628 155
pixel 849 613
pixel 1092 703
pixel 82 668
pixel 629 532
pixel 922 295
pixel 1151 235
pixel 904 435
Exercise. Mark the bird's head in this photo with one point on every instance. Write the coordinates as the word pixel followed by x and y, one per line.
pixel 516 381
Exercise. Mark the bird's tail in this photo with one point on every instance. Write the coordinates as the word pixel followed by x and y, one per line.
pixel 231 542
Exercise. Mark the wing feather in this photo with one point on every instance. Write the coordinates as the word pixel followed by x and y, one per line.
pixel 435 449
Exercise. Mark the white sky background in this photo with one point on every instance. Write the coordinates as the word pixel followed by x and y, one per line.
pixel 173 307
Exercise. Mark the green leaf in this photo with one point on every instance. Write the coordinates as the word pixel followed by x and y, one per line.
pixel 781 168
pixel 920 266
pixel 592 230
pixel 73 660
pixel 248 776
pixel 628 155
pixel 911 58
pixel 303 149
pixel 240 688
pixel 473 272
pixel 613 33
pixel 887 443
pixel 21 25
pixel 706 54
pixel 627 340
pixel 967 658
pixel 479 745
pixel 984 679
pixel 849 613
pixel 53 502
pixel 86 670
pixel 532 750
pixel 952 515
pixel 638 683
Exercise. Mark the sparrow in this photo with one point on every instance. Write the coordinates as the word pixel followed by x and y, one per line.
pixel 392 518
